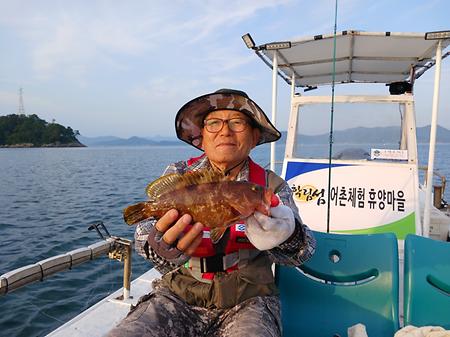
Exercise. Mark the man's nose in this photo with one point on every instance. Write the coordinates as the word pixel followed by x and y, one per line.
pixel 226 128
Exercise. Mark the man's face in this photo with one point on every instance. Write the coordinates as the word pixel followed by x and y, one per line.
pixel 227 148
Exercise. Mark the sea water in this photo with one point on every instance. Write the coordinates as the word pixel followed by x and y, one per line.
pixel 49 197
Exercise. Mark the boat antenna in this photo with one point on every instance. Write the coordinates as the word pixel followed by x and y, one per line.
pixel 333 80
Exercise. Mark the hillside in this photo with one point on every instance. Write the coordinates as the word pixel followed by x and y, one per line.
pixel 31 131
pixel 132 141
pixel 351 136
pixel 386 135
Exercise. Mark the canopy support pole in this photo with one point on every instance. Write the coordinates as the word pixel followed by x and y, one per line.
pixel 292 86
pixel 434 116
pixel 274 105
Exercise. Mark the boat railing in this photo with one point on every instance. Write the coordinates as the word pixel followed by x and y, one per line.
pixel 116 248
pixel 438 189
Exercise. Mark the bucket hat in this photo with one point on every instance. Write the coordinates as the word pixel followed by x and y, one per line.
pixel 189 119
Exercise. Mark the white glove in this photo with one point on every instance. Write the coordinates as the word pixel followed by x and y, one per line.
pixel 267 232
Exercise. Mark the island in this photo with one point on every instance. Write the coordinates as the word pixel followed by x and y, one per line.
pixel 19 130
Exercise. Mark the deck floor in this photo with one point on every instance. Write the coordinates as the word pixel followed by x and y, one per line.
pixel 106 314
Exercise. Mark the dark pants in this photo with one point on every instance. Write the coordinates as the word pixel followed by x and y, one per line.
pixel 162 313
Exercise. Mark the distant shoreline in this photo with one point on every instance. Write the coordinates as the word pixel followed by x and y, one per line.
pixel 79 145
pixel 30 145
pixel 377 135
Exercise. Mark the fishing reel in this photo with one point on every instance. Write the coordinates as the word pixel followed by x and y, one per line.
pixel 120 250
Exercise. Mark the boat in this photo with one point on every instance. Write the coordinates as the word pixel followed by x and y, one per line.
pixel 370 193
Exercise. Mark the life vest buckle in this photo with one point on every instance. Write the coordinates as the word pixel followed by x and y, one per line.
pixel 212 264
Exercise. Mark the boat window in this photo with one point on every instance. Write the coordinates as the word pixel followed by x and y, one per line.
pixel 357 129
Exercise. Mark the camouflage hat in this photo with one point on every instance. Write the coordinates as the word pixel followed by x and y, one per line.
pixel 189 119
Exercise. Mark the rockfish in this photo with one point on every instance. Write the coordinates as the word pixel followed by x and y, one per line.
pixel 208 196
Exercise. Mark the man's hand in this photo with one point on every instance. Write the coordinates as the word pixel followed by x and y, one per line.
pixel 169 239
pixel 267 232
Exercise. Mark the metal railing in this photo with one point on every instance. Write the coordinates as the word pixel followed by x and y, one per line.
pixel 116 248
pixel 438 190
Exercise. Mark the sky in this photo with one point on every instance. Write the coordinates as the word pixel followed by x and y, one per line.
pixel 124 68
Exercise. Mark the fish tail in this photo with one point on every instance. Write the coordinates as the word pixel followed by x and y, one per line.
pixel 135 213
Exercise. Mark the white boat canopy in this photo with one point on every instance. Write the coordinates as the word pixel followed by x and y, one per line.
pixel 368 57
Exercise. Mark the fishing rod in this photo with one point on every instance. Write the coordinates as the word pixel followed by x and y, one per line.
pixel 330 153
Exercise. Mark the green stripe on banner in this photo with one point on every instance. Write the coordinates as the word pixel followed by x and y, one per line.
pixel 401 228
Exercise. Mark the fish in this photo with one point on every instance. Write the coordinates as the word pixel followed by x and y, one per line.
pixel 207 195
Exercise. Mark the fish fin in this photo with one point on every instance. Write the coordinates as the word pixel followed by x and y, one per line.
pixel 217 233
pixel 174 181
pixel 134 213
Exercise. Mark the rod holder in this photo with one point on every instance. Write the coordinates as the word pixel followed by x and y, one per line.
pixel 122 252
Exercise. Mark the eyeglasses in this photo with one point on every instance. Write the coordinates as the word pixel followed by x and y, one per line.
pixel 234 124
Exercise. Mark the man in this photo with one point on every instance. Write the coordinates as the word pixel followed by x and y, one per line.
pixel 226 287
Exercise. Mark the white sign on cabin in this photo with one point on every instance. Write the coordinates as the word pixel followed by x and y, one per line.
pixel 364 198
pixel 388 154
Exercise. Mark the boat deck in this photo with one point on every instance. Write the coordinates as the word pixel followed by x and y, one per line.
pixel 106 313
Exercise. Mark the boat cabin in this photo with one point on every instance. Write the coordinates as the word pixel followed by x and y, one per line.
pixel 373 186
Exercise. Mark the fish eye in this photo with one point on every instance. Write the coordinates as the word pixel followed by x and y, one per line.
pixel 256 188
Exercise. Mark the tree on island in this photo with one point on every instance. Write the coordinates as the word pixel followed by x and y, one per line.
pixel 33 131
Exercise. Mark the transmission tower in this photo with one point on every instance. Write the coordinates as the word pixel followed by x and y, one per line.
pixel 21 106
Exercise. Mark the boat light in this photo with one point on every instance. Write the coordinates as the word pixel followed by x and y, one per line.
pixel 443 34
pixel 309 88
pixel 277 45
pixel 248 41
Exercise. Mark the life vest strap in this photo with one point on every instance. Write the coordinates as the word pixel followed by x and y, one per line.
pixel 204 268
pixel 214 264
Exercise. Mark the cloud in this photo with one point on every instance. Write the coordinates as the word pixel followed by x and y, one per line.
pixel 68 39
pixel 163 90
pixel 226 59
pixel 101 56
pixel 72 39
pixel 225 14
